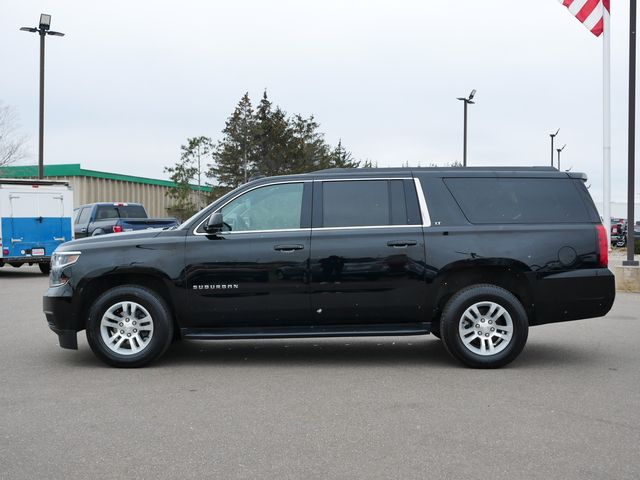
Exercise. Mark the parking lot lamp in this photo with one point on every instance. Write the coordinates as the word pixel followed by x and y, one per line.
pixel 43 30
pixel 466 101
pixel 560 150
pixel 553 135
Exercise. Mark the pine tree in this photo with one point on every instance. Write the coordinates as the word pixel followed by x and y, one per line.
pixel 235 155
pixel 342 158
pixel 272 139
pixel 269 142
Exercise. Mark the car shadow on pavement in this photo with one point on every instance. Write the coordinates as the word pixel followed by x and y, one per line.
pixel 12 272
pixel 417 351
pixel 334 352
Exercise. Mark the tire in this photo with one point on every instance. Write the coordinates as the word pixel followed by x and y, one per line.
pixel 129 326
pixel 495 337
pixel 435 330
pixel 45 268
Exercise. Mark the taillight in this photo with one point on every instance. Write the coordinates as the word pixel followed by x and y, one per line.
pixel 603 246
pixel 117 229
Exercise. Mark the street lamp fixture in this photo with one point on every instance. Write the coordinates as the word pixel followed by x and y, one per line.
pixel 553 135
pixel 560 150
pixel 45 21
pixel 466 101
pixel 43 30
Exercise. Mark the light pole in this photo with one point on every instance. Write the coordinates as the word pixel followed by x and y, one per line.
pixel 559 150
pixel 553 135
pixel 466 101
pixel 631 155
pixel 42 30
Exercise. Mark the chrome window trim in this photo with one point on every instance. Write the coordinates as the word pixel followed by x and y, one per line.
pixel 285 230
pixel 422 202
pixel 283 182
pixel 360 179
pixel 360 227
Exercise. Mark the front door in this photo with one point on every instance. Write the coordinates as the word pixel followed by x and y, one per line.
pixel 253 273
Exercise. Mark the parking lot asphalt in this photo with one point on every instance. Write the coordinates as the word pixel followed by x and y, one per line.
pixel 567 408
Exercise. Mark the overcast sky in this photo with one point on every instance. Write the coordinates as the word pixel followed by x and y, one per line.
pixel 131 81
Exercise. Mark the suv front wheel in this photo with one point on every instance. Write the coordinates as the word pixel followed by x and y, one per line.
pixel 484 326
pixel 129 326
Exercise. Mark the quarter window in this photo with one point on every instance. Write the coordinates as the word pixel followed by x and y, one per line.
pixel 273 207
pixel 518 200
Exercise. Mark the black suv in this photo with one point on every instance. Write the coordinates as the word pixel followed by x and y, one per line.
pixel 472 255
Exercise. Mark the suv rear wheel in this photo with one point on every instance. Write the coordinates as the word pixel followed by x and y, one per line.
pixel 129 326
pixel 484 326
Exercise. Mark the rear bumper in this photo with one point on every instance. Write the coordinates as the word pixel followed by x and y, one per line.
pixel 573 295
pixel 60 313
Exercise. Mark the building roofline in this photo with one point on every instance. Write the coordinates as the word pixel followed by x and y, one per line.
pixel 75 170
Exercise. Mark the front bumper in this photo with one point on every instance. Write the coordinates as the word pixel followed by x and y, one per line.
pixel 61 314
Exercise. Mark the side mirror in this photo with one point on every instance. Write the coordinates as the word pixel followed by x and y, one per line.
pixel 214 224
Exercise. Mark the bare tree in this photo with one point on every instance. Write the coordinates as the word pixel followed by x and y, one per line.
pixel 12 145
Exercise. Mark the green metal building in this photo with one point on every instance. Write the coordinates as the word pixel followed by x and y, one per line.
pixel 91 186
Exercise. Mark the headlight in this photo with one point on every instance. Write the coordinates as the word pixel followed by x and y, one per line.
pixel 60 260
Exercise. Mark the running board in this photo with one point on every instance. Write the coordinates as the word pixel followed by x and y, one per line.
pixel 226 333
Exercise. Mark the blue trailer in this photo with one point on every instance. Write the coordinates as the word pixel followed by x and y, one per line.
pixel 35 217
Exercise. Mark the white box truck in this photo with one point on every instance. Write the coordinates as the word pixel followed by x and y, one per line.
pixel 35 217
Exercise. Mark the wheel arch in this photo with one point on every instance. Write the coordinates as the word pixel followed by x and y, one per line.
pixel 508 274
pixel 153 281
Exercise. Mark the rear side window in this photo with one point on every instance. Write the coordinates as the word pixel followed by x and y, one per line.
pixel 518 200
pixel 355 203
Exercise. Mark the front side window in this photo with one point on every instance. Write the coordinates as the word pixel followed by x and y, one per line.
pixel 274 207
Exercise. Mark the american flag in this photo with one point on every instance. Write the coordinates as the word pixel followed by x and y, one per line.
pixel 589 12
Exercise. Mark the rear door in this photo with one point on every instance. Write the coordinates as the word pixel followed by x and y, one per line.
pixel 36 222
pixel 367 252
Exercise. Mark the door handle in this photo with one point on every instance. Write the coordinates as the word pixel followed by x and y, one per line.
pixel 401 243
pixel 288 248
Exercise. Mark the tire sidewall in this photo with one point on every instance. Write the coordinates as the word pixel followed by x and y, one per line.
pixel 162 325
pixel 456 307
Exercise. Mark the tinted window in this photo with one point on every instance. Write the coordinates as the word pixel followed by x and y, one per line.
pixel 398 204
pixel 275 207
pixel 355 203
pixel 518 200
pixel 123 211
pixel 83 216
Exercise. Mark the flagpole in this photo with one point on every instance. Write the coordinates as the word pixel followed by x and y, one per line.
pixel 606 125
